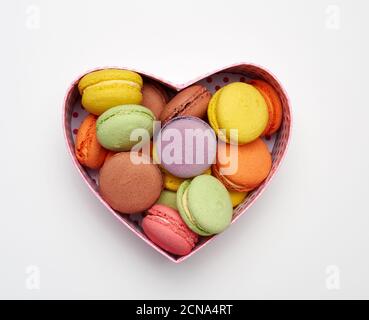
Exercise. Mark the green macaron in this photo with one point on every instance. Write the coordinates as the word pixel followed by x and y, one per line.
pixel 205 205
pixel 114 126
pixel 168 198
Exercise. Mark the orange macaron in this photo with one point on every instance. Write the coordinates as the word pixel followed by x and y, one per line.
pixel 252 163
pixel 274 105
pixel 88 150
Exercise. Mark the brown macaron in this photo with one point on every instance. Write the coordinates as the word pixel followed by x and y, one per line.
pixel 252 163
pixel 192 101
pixel 154 97
pixel 129 187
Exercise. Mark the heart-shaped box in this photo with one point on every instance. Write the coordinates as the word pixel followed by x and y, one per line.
pixel 73 114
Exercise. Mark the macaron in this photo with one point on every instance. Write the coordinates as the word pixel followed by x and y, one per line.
pixel 168 198
pixel 108 88
pixel 115 126
pixel 237 197
pixel 205 205
pixel 274 105
pixel 192 101
pixel 238 106
pixel 88 150
pixel 252 164
pixel 109 154
pixel 186 147
pixel 164 227
pixel 172 182
pixel 154 98
pixel 129 187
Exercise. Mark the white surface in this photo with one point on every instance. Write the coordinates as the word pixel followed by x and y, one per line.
pixel 315 213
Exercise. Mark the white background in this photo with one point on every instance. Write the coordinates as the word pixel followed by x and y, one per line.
pixel 315 213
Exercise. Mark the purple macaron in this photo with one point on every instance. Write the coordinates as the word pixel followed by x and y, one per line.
pixel 186 146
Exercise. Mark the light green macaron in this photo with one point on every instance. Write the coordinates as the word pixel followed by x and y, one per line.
pixel 168 198
pixel 114 126
pixel 205 205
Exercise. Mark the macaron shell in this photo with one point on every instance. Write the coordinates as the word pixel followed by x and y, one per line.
pixel 95 77
pixel 168 198
pixel 212 115
pixel 237 197
pixel 254 164
pixel 210 204
pixel 226 182
pixel 183 210
pixel 186 167
pixel 88 150
pixel 274 103
pixel 241 106
pixel 192 101
pixel 109 155
pixel 114 127
pixel 102 96
pixel 171 182
pixel 175 219
pixel 270 112
pixel 129 187
pixel 162 235
pixel 164 227
pixel 154 98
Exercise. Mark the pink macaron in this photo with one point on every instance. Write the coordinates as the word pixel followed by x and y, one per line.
pixel 165 227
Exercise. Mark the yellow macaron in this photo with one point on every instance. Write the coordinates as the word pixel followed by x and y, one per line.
pixel 108 88
pixel 172 183
pixel 237 197
pixel 238 106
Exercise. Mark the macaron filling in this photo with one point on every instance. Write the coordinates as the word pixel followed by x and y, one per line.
pixel 188 213
pixel 101 76
pixel 113 82
pixel 230 184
